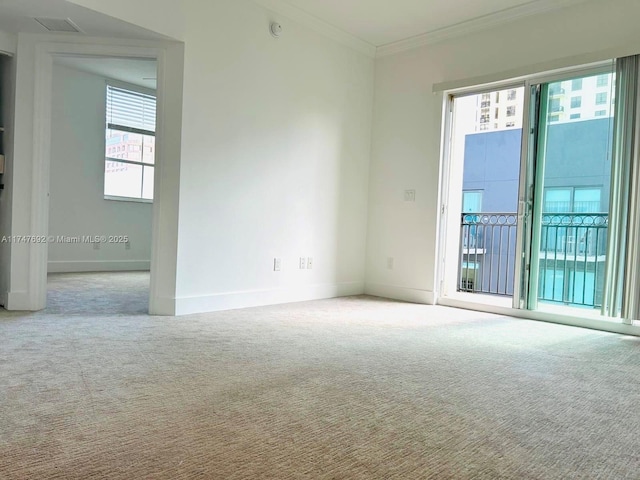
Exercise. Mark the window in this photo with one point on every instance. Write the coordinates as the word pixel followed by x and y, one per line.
pixel 602 81
pixel 512 95
pixel 576 84
pixel 510 124
pixel 601 98
pixel 574 116
pixel 554 105
pixel 129 144
pixel 554 118
pixel 576 102
pixel 572 200
pixel 472 201
pixel 511 111
pixel 601 113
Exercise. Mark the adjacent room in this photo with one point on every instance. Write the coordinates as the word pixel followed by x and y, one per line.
pixel 319 239
pixel 101 184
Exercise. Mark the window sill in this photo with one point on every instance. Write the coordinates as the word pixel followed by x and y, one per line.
pixel 127 199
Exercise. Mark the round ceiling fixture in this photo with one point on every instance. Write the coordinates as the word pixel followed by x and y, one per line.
pixel 276 29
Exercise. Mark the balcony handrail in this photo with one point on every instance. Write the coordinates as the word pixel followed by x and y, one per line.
pixel 572 247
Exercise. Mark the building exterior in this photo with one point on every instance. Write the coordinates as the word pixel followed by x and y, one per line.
pixel 569 101
pixel 574 220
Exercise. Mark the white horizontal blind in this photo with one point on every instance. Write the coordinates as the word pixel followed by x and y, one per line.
pixel 130 110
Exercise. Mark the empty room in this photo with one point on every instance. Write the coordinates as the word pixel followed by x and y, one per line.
pixel 316 239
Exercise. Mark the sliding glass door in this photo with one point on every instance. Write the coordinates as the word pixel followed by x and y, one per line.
pixel 536 194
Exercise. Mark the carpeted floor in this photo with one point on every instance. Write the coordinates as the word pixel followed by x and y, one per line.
pixel 352 388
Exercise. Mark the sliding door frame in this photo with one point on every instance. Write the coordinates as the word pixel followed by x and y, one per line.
pixel 522 306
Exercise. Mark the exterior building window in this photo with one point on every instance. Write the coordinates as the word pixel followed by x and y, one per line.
pixel 572 200
pixel 601 113
pixel 601 98
pixel 130 132
pixel 554 118
pixel 576 102
pixel 576 84
pixel 511 124
pixel 472 201
pixel 511 111
pixel 602 81
pixel 512 95
pixel 574 116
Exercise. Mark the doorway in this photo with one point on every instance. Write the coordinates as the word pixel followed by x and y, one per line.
pixel 529 192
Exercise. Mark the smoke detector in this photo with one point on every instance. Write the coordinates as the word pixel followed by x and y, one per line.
pixel 275 29
pixel 58 25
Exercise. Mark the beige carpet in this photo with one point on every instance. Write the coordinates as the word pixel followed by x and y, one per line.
pixel 353 388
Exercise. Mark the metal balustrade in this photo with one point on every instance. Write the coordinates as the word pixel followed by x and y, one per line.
pixel 573 250
pixel 487 255
pixel 571 259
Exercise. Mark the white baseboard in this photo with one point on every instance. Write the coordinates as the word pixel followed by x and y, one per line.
pixel 18 301
pixel 257 298
pixel 412 295
pixel 98 266
pixel 162 306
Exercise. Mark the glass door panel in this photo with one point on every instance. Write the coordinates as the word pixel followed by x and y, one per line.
pixel 571 192
pixel 484 179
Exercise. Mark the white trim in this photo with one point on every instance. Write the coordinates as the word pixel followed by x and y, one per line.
pixel 257 298
pixel 113 198
pixel 405 294
pixel 540 71
pixel 18 300
pixel 164 210
pixel 475 25
pixel 583 322
pixel 98 266
pixel 8 43
pixel 300 16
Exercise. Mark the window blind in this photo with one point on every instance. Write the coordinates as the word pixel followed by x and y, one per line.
pixel 128 110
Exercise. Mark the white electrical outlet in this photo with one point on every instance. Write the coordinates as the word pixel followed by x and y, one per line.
pixel 303 263
pixel 309 263
pixel 390 263
pixel 277 264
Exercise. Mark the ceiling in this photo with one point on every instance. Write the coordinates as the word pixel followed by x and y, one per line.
pixel 382 22
pixel 374 23
pixel 18 16
pixel 140 72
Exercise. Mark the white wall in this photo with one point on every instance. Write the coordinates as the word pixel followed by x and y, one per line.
pixel 161 16
pixel 77 206
pixel 407 125
pixel 275 161
pixel 7 90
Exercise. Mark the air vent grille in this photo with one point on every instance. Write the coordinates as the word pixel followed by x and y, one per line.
pixel 58 25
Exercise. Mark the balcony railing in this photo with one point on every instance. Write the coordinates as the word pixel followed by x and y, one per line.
pixel 487 255
pixel 571 259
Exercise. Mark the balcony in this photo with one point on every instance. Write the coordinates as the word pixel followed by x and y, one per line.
pixel 571 258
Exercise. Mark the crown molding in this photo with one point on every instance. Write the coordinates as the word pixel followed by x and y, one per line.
pixel 475 25
pixel 281 7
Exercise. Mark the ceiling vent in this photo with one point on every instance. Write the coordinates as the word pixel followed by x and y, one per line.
pixel 64 25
